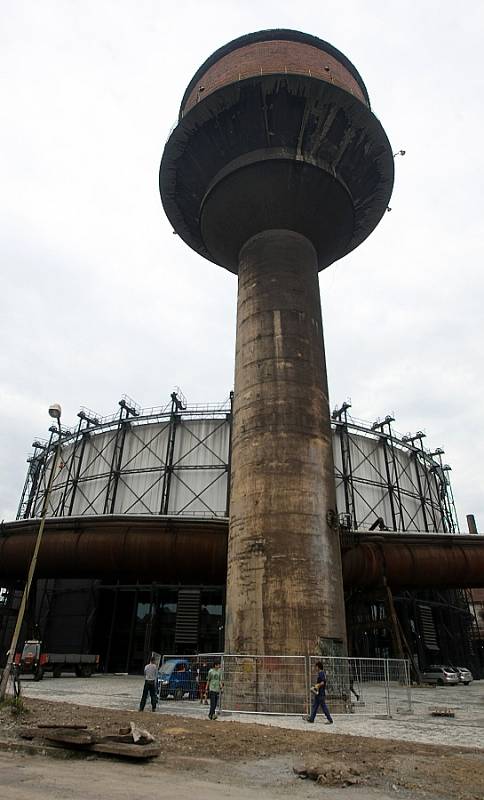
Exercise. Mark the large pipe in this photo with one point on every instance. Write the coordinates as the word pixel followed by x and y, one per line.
pixel 284 588
pixel 415 565
pixel 166 549
pixel 182 550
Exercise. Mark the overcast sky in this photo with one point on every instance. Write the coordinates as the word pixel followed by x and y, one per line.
pixel 98 298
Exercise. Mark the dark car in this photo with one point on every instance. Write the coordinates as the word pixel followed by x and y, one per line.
pixel 176 679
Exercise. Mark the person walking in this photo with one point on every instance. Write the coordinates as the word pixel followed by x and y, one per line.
pixel 319 698
pixel 202 683
pixel 151 672
pixel 214 686
pixel 353 679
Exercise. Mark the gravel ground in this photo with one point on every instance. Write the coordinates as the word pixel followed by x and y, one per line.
pixel 465 730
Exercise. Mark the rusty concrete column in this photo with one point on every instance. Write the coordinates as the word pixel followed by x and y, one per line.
pixel 284 587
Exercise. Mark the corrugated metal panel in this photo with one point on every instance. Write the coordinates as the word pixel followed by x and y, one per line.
pixel 199 479
pixel 142 470
pixel 93 480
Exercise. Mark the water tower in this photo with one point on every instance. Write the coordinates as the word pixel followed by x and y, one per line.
pixel 276 169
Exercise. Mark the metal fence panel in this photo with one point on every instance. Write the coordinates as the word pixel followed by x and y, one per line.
pixel 265 684
pixel 399 686
pixel 376 686
pixel 183 677
pixel 282 684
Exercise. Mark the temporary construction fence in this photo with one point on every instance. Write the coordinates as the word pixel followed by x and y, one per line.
pixel 282 684
pixel 182 676
pixel 265 684
pixel 376 686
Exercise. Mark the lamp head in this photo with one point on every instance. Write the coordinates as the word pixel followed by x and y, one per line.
pixel 55 411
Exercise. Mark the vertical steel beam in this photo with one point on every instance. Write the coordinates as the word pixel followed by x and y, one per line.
pixel 420 493
pixel 75 482
pixel 33 475
pixel 429 488
pixel 395 483
pixel 390 490
pixel 42 471
pixel 70 469
pixel 116 460
pixel 170 450
pixel 347 470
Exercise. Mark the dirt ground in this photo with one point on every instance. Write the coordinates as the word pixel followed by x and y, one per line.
pixel 257 756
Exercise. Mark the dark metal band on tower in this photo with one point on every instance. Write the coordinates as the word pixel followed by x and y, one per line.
pixel 276 169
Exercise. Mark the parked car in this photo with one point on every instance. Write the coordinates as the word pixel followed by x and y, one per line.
pixel 176 678
pixel 440 674
pixel 465 675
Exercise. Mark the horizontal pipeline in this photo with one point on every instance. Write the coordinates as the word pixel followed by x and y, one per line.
pixel 184 550
pixel 414 565
pixel 161 548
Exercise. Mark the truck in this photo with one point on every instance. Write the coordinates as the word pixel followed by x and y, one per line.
pixel 33 661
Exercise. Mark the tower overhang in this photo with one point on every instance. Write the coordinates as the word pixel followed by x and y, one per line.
pixel 276 151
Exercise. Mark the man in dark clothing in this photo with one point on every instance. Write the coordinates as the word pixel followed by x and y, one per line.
pixel 202 682
pixel 353 679
pixel 151 672
pixel 319 696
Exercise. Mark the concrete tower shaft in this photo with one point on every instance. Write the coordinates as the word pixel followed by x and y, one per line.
pixel 277 168
pixel 284 584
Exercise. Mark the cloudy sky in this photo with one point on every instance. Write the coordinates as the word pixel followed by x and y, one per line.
pixel 98 298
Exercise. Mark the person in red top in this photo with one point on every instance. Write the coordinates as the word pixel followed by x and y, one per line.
pixel 319 698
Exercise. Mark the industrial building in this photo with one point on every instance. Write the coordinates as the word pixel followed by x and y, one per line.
pixel 264 525
pixel 134 558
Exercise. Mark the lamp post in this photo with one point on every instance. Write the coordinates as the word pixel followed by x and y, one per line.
pixel 55 412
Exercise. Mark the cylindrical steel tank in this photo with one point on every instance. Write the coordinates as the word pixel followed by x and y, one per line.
pixel 178 464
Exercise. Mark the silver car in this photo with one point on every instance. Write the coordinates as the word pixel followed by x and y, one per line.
pixel 440 674
pixel 465 675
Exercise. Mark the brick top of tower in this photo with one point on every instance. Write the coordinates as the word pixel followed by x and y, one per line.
pixel 271 52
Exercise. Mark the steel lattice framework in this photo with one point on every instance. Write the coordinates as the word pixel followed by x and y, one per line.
pixel 176 460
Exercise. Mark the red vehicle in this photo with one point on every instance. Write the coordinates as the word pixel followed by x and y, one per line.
pixel 32 661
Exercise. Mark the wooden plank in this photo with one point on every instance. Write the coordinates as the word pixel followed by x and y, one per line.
pixel 62 727
pixel 60 736
pixel 127 750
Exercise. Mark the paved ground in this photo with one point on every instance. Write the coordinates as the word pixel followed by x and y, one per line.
pixel 465 730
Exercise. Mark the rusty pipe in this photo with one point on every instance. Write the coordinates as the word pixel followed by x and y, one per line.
pixel 189 550
pixel 413 565
pixel 167 549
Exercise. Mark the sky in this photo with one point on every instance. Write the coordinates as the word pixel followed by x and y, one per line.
pixel 98 298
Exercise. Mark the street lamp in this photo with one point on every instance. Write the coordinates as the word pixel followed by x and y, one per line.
pixel 55 411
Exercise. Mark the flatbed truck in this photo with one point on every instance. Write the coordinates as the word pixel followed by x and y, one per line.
pixel 33 661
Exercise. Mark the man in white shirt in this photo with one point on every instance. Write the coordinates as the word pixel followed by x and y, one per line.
pixel 151 672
